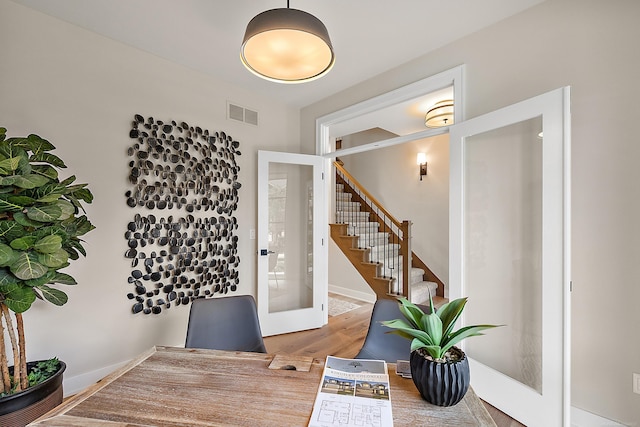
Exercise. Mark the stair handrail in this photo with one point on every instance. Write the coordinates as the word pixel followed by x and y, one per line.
pixel 369 196
pixel 403 228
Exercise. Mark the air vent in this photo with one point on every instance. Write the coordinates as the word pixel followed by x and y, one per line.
pixel 241 114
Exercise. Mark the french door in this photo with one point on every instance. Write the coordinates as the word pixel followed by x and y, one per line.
pixel 292 224
pixel 510 252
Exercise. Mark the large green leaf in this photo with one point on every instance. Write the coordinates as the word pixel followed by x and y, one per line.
pixel 23 243
pixel 47 278
pixel 449 313
pixel 18 142
pixel 432 325
pixel 51 230
pixel 10 230
pixel 7 278
pixel 67 182
pixel 52 295
pixel 39 145
pixel 18 298
pixel 57 259
pixel 63 279
pixel 49 244
pixel 74 247
pixel 29 181
pixel 25 166
pixel 6 255
pixel 10 164
pixel 46 213
pixel 21 200
pixel 6 205
pixel 405 328
pixel 12 148
pixel 46 193
pixel 68 210
pixel 48 158
pixel 84 194
pixel 45 170
pixel 77 226
pixel 26 266
pixel 411 312
pixel 24 220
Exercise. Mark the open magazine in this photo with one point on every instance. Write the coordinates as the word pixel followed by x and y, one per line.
pixel 353 392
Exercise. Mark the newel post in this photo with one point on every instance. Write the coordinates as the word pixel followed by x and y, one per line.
pixel 405 251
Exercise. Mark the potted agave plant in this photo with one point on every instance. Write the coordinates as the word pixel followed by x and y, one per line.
pixel 439 369
pixel 40 227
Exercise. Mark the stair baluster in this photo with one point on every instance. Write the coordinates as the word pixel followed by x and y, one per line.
pixel 378 245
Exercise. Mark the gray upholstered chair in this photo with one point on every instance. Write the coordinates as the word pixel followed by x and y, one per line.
pixel 228 323
pixel 381 345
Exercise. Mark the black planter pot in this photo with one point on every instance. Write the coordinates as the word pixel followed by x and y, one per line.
pixel 440 383
pixel 21 408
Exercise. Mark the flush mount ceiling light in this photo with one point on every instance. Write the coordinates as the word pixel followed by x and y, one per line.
pixel 441 114
pixel 287 46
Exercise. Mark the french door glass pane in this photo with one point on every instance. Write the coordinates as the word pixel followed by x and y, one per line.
pixel 502 248
pixel 290 237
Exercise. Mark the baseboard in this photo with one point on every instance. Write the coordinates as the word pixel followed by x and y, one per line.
pixel 361 296
pixel 582 418
pixel 75 384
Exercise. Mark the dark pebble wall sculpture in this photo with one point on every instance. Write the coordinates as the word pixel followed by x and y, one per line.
pixel 185 247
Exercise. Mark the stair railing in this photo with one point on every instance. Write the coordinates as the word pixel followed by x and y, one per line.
pixel 380 249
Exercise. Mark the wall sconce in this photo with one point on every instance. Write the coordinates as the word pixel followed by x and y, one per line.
pixel 441 114
pixel 422 163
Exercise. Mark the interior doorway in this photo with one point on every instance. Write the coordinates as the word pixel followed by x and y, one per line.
pixel 393 124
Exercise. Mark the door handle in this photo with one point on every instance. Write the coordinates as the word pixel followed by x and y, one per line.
pixel 265 252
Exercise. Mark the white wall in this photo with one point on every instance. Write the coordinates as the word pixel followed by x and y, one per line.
pixel 592 46
pixel 80 91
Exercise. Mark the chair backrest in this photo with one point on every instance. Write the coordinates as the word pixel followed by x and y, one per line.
pixel 379 344
pixel 229 323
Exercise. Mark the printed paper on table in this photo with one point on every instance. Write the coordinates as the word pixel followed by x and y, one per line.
pixel 353 392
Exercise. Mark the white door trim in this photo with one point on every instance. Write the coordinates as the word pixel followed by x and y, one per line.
pixel 454 76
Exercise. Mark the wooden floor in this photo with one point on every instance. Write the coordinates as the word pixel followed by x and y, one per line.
pixel 343 337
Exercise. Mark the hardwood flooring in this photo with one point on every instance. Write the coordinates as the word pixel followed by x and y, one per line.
pixel 343 337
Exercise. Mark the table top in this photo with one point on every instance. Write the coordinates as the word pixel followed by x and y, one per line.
pixel 171 386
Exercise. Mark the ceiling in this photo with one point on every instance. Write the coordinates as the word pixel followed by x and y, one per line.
pixel 369 36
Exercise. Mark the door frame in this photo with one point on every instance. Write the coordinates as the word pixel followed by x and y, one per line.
pixel 452 77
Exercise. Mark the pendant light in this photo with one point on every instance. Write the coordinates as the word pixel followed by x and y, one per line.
pixel 287 46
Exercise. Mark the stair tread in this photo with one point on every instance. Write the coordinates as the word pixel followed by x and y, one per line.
pixel 420 291
pixel 381 253
pixel 425 284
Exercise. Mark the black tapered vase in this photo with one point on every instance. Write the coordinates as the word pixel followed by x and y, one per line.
pixel 440 383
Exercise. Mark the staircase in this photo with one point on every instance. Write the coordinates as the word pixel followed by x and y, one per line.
pixel 374 246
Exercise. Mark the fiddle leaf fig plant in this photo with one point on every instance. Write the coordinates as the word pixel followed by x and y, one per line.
pixel 433 332
pixel 40 229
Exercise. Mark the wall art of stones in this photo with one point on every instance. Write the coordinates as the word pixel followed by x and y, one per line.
pixel 184 187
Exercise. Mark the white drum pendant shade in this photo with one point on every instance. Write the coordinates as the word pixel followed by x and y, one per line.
pixel 287 46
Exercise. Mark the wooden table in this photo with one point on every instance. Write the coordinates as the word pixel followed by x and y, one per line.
pixel 168 386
